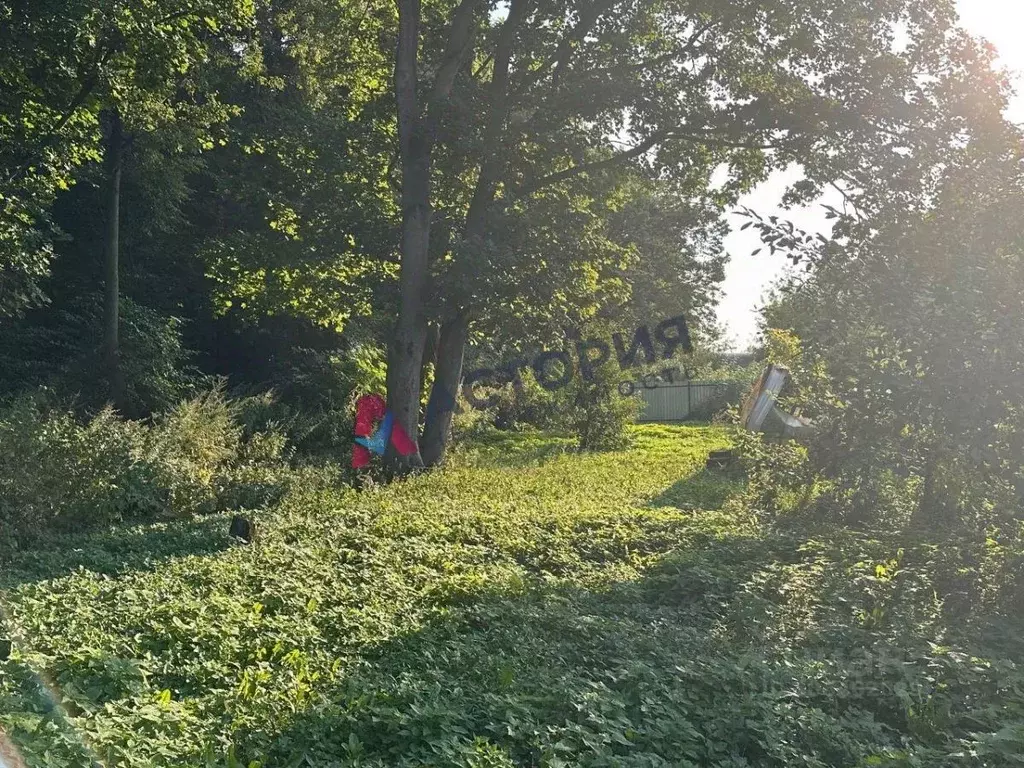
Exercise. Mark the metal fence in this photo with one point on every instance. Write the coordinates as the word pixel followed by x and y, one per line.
pixel 686 400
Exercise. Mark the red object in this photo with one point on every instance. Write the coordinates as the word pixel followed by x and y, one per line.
pixel 369 410
pixel 360 456
pixel 400 439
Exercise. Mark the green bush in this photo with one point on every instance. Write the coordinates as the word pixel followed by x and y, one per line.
pixel 261 460
pixel 598 415
pixel 190 446
pixel 57 472
pixel 155 364
pixel 714 407
pixel 591 409
pixel 780 479
pixel 313 397
pixel 469 423
pixel 528 405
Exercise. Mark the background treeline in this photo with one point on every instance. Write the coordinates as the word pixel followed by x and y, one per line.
pixel 905 339
pixel 233 167
pixel 193 190
pixel 203 198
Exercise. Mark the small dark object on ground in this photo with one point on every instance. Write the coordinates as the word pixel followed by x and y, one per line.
pixel 243 528
pixel 5 649
pixel 721 460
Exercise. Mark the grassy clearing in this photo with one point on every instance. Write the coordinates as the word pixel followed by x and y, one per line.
pixel 527 607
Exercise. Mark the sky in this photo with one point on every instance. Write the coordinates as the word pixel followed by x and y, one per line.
pixel 748 277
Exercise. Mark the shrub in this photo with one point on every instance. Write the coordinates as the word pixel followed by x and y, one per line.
pixel 469 423
pixel 155 363
pixel 59 473
pixel 780 478
pixel 189 446
pixel 55 472
pixel 598 414
pixel 314 394
pixel 714 407
pixel 528 405
pixel 262 458
pixel 590 408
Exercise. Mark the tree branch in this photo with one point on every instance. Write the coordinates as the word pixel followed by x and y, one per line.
pixel 497 108
pixel 584 168
pixel 84 91
pixel 460 40
pixel 644 146
pixel 560 60
pixel 484 63
pixel 565 46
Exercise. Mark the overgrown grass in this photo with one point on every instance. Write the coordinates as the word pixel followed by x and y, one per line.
pixel 59 472
pixel 528 606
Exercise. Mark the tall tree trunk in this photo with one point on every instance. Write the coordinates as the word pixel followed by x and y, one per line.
pixel 448 374
pixel 451 350
pixel 429 353
pixel 405 354
pixel 112 290
pixel 415 142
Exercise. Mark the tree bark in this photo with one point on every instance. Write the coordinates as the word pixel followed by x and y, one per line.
pixel 429 353
pixel 415 141
pixel 112 290
pixel 497 111
pixel 451 350
pixel 405 353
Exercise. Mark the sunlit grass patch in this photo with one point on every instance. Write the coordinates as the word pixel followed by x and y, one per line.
pixel 527 606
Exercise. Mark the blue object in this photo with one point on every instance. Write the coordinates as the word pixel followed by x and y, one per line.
pixel 378 442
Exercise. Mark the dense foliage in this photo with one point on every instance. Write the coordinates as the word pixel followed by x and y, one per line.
pixel 240 174
pixel 905 342
pixel 59 474
pixel 527 607
pixel 222 221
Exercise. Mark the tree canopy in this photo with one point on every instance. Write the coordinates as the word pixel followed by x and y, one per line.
pixel 471 170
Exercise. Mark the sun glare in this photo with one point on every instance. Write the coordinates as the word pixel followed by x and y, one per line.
pixel 1001 22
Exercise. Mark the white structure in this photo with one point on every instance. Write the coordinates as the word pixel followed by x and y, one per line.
pixel 760 413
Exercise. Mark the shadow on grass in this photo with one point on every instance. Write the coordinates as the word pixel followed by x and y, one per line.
pixel 38 731
pixel 115 550
pixel 699 662
pixel 675 668
pixel 535 677
pixel 736 648
pixel 708 489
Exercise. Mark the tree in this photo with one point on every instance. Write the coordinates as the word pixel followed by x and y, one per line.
pixel 154 83
pixel 138 68
pixel 296 213
pixel 48 73
pixel 912 357
pixel 114 155
pixel 546 98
